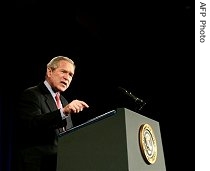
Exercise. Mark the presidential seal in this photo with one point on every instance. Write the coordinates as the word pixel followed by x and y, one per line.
pixel 148 144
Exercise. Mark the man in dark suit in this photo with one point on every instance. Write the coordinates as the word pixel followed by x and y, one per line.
pixel 40 119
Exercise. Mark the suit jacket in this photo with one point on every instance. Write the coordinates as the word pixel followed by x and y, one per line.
pixel 38 120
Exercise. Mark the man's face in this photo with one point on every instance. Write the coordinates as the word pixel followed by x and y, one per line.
pixel 61 77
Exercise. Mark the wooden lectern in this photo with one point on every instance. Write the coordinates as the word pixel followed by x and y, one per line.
pixel 119 140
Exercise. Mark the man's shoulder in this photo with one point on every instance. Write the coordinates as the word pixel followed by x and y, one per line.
pixel 36 88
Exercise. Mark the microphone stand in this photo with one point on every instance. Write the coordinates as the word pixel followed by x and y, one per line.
pixel 139 105
pixel 138 102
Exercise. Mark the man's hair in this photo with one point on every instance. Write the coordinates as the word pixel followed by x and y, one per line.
pixel 53 64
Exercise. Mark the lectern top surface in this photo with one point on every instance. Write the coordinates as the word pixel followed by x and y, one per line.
pixel 93 120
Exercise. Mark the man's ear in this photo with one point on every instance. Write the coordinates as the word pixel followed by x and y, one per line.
pixel 49 72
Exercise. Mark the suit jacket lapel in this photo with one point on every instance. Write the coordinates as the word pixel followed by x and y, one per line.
pixel 50 102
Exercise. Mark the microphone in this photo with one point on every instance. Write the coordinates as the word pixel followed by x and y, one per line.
pixel 136 99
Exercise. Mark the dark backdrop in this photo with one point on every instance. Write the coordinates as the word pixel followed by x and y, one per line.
pixel 145 47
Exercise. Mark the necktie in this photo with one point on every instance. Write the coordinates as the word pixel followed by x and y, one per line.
pixel 59 105
pixel 58 100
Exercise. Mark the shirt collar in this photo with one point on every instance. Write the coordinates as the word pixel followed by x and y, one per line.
pixel 49 88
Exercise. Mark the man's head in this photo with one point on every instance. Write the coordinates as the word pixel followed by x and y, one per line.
pixel 60 71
